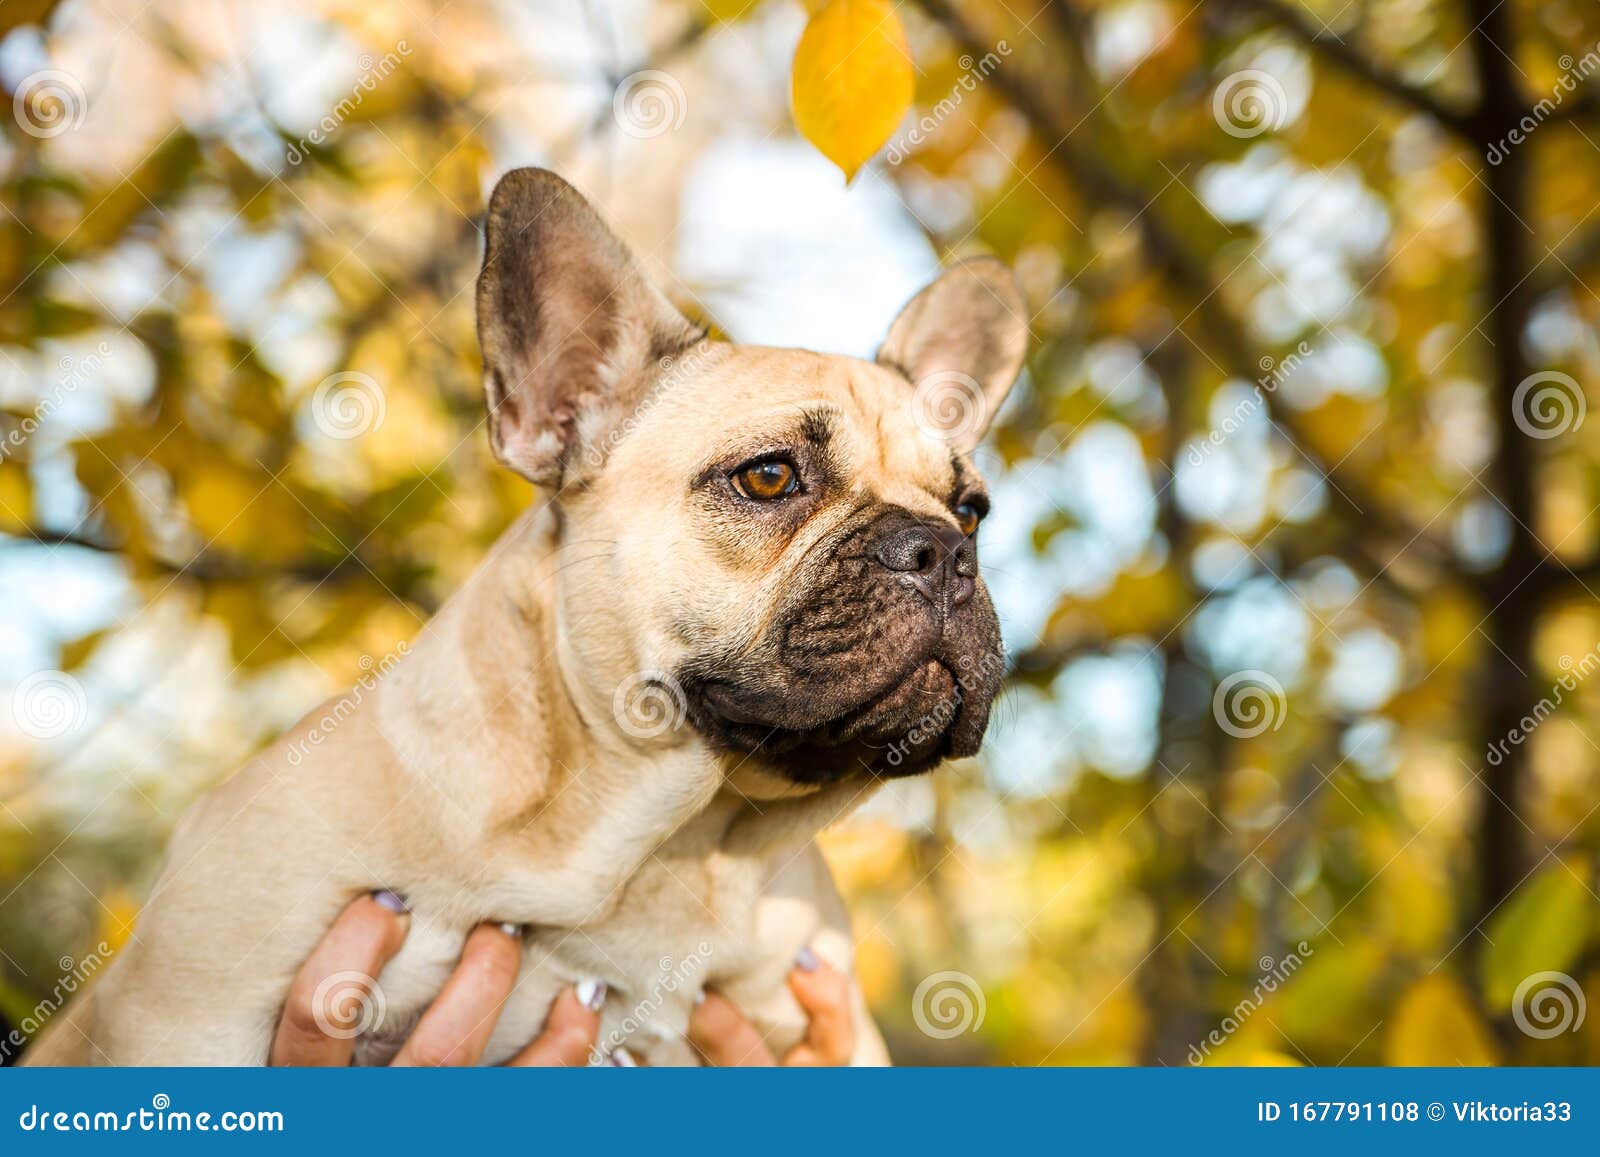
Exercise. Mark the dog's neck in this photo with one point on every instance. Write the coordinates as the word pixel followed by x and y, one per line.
pixel 495 714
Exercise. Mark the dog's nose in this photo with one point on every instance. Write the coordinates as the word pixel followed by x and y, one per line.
pixel 932 559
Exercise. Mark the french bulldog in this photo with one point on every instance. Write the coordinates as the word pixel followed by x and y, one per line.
pixel 749 597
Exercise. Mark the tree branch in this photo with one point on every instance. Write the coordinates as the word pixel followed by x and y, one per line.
pixel 1331 47
pixel 1184 270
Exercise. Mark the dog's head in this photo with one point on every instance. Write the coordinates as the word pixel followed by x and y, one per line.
pixel 785 542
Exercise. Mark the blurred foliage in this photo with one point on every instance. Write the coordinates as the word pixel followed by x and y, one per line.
pixel 1375 535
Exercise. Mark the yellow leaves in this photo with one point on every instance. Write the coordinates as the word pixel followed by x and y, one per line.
pixel 852 81
pixel 15 497
pixel 1542 928
pixel 1435 1024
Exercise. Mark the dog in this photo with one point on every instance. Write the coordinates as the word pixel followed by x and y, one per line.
pixel 751 597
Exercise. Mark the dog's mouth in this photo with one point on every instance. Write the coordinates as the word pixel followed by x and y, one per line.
pixel 928 715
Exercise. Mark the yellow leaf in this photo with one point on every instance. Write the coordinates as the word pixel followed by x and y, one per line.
pixel 1435 1024
pixel 852 81
pixel 1542 928
pixel 15 497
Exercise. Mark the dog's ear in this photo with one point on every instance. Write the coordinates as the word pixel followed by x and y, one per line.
pixel 961 342
pixel 569 324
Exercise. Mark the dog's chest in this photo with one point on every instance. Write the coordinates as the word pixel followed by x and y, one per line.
pixel 680 926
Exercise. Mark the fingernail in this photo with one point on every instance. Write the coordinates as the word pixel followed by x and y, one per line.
pixel 592 994
pixel 391 901
pixel 805 960
pixel 621 1058
pixel 699 998
pixel 512 930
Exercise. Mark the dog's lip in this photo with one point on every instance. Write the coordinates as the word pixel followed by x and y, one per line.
pixel 725 701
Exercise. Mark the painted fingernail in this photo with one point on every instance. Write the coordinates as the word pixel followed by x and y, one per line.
pixel 512 930
pixel 592 994
pixel 391 901
pixel 621 1058
pixel 805 960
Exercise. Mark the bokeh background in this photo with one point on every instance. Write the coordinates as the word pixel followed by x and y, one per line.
pixel 1294 538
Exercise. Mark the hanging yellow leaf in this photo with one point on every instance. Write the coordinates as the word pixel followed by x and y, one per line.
pixel 852 80
pixel 1542 928
pixel 1435 1025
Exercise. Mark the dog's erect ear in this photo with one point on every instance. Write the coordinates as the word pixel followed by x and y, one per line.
pixel 961 342
pixel 569 324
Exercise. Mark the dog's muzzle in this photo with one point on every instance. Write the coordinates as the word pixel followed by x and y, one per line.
pixel 887 663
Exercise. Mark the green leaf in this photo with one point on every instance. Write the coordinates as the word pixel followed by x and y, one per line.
pixel 1542 928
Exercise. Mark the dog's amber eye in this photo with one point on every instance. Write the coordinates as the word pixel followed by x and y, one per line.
pixel 765 481
pixel 967 518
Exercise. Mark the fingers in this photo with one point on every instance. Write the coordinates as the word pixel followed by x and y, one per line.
pixel 457 1026
pixel 570 1030
pixel 824 992
pixel 336 982
pixel 722 1036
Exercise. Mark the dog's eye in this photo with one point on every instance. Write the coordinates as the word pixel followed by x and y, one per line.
pixel 766 481
pixel 967 518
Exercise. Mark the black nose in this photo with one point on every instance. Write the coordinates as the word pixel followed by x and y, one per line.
pixel 937 560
